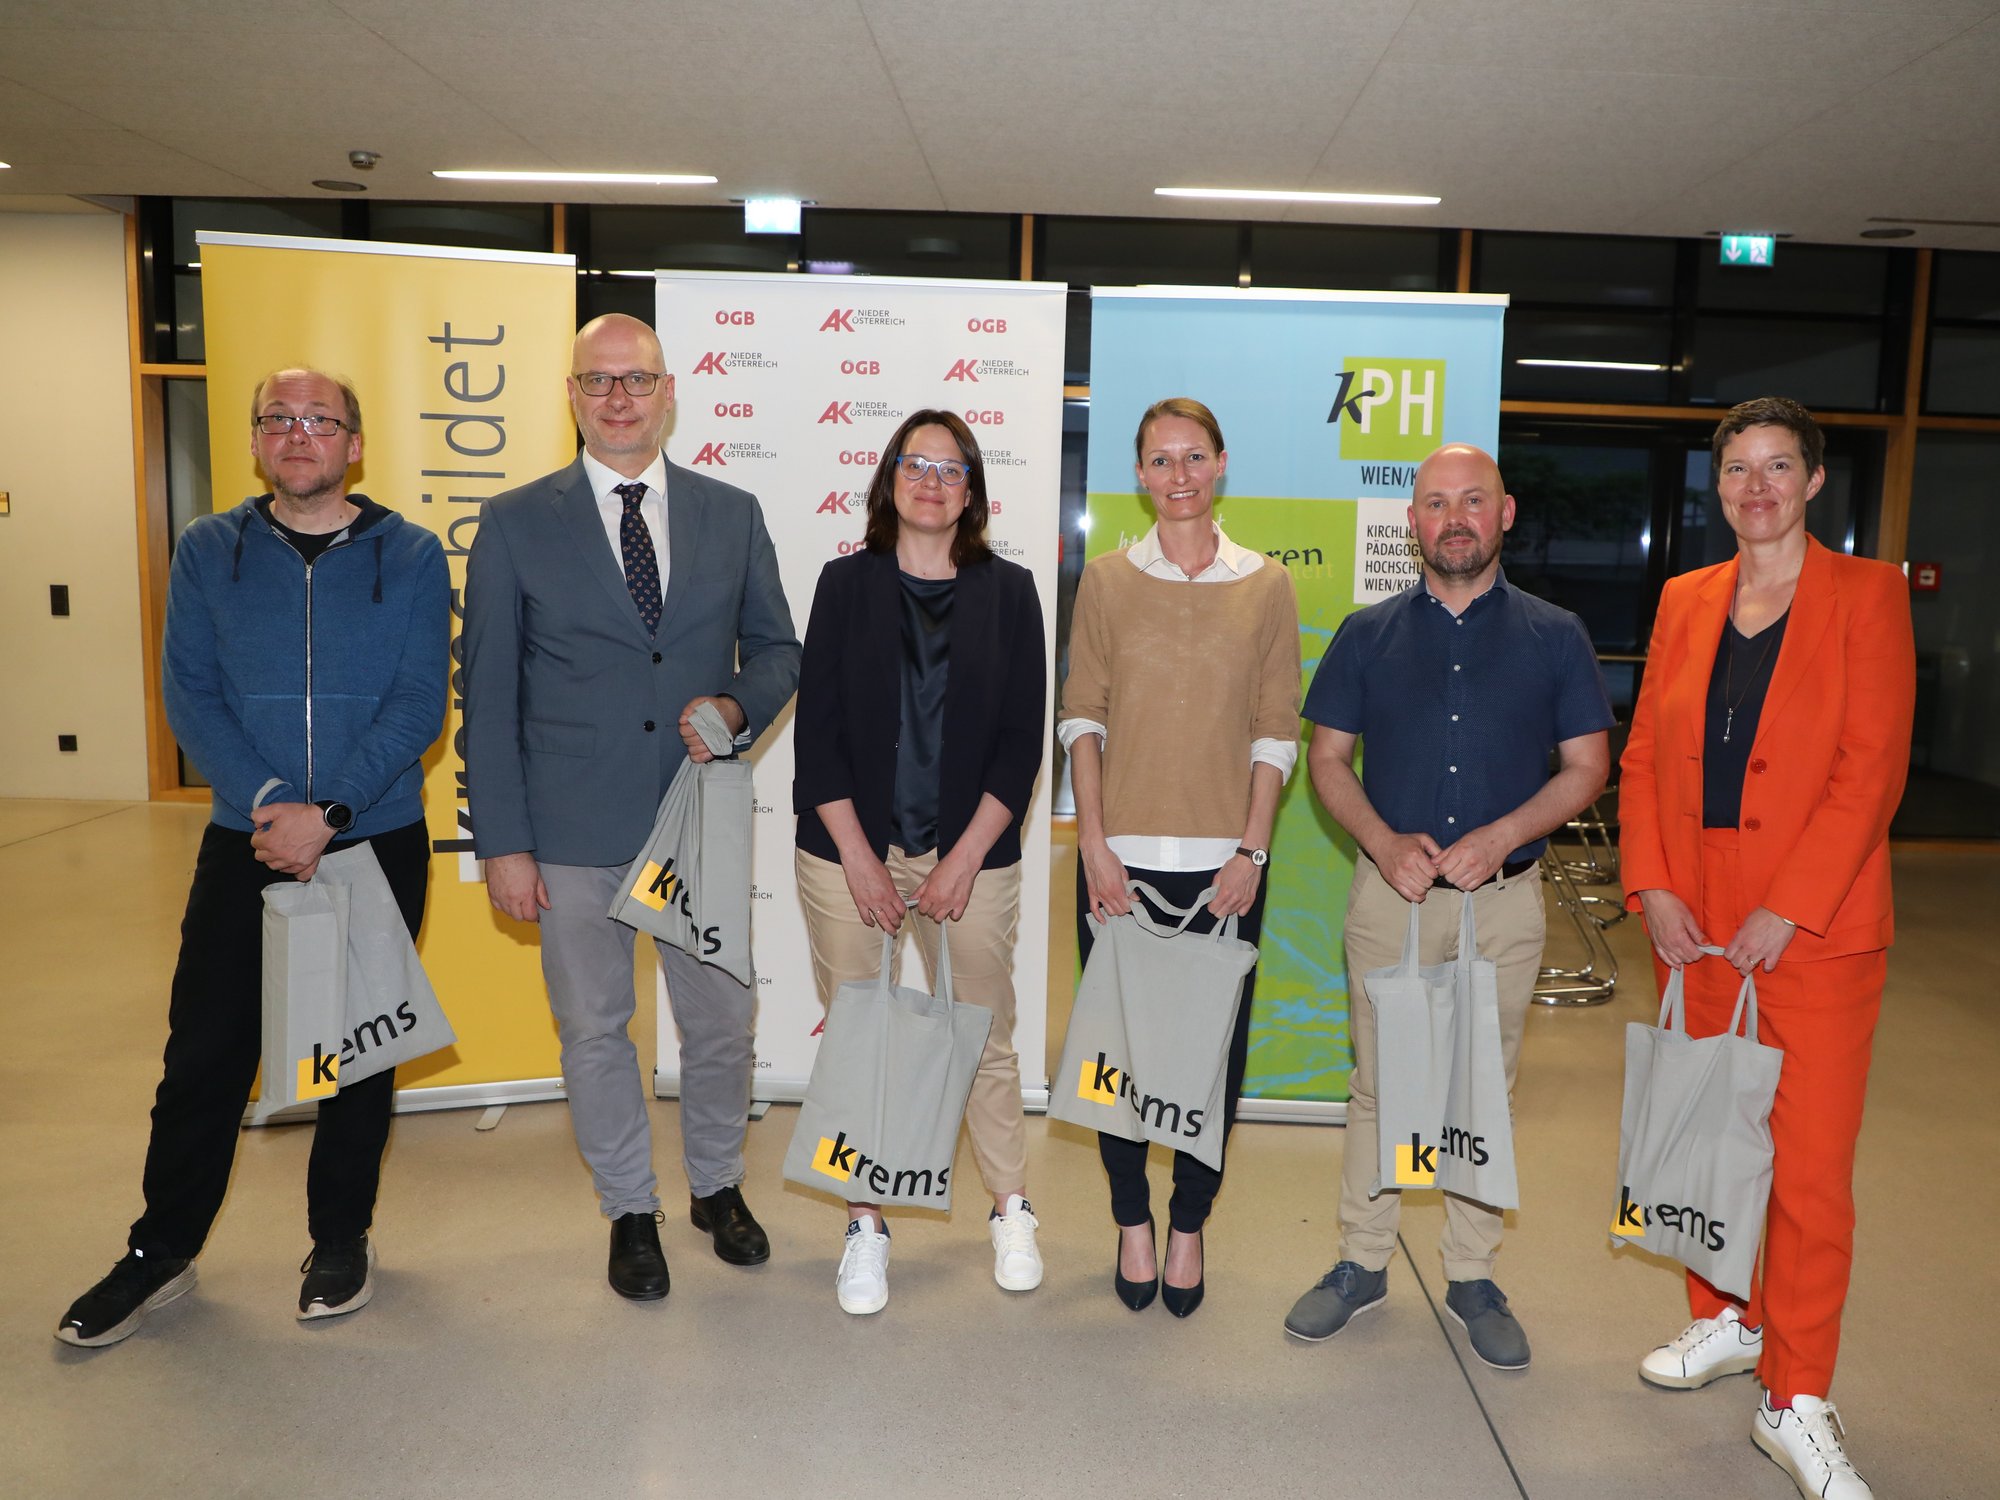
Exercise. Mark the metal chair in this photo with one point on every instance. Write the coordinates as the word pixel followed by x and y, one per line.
pixel 1596 979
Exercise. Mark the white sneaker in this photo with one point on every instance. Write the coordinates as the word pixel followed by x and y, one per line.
pixel 1804 1440
pixel 862 1282
pixel 1708 1349
pixel 1017 1263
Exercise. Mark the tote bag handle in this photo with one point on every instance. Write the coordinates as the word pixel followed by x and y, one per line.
pixel 1673 1004
pixel 1226 928
pixel 943 964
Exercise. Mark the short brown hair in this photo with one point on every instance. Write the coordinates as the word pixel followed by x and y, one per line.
pixel 346 393
pixel 1773 411
pixel 1178 406
pixel 969 545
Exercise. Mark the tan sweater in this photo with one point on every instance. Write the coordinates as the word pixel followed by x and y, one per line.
pixel 1183 677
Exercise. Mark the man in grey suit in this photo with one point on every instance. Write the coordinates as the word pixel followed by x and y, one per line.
pixel 604 603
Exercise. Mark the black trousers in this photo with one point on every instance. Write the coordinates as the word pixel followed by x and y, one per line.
pixel 1195 1182
pixel 214 1037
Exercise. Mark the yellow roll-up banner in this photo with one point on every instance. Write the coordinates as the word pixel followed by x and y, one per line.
pixel 458 357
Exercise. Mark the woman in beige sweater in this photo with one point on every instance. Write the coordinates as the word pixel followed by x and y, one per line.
pixel 1181 719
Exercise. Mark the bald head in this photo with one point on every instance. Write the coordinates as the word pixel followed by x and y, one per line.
pixel 620 430
pixel 1455 465
pixel 301 372
pixel 614 330
pixel 1459 509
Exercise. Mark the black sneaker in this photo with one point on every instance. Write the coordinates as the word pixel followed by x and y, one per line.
pixel 117 1305
pixel 340 1278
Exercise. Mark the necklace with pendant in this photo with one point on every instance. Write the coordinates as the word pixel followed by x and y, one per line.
pixel 1729 673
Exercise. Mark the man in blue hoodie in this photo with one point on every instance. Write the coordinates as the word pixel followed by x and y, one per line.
pixel 305 670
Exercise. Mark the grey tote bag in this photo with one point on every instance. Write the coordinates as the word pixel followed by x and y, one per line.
pixel 880 1119
pixel 1443 1116
pixel 305 989
pixel 391 1012
pixel 1147 1052
pixel 690 885
pixel 1694 1139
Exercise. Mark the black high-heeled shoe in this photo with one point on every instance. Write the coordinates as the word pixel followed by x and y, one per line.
pixel 1183 1300
pixel 1137 1295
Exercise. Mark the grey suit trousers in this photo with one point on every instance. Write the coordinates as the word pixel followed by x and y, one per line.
pixel 587 961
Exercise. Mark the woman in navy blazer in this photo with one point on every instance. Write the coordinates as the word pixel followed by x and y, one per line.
pixel 921 724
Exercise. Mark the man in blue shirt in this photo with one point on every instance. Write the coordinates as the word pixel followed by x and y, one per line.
pixel 1462 686
pixel 304 670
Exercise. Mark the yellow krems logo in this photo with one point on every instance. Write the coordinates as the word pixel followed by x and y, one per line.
pixel 834 1158
pixel 319 1075
pixel 1416 1163
pixel 1097 1081
pixel 655 886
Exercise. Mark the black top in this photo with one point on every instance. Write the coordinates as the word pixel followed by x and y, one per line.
pixel 913 822
pixel 307 544
pixel 1736 687
pixel 994 721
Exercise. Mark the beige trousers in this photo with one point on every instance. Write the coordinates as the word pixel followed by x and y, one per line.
pixel 844 948
pixel 1511 923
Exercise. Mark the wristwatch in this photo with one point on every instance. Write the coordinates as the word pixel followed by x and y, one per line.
pixel 339 816
pixel 1257 857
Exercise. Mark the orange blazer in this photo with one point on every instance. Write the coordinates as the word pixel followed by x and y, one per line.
pixel 1826 769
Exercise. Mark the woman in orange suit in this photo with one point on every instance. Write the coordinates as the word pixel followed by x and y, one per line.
pixel 1767 755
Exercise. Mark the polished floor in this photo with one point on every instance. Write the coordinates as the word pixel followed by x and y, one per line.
pixel 495 1362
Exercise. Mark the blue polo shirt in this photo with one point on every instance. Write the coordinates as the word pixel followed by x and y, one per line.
pixel 1458 714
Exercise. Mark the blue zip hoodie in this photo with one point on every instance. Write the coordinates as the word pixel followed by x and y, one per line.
pixel 328 679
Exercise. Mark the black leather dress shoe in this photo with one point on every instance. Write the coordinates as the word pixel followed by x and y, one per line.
pixel 739 1238
pixel 638 1264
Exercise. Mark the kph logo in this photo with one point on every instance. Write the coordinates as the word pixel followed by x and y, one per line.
pixel 1389 409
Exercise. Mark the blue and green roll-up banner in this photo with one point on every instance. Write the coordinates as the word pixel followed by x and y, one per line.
pixel 1328 401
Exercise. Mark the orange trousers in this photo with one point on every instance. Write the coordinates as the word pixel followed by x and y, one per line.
pixel 1823 1015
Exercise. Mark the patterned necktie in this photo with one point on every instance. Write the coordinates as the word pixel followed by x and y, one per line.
pixel 642 568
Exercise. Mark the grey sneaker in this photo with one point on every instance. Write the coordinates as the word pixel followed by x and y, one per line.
pixel 1480 1308
pixel 1337 1297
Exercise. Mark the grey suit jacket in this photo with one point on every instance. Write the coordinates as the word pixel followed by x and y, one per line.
pixel 571 711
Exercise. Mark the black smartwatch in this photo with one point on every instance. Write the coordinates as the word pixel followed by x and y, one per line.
pixel 339 816
pixel 1257 857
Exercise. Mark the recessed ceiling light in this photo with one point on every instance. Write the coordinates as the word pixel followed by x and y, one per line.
pixel 1269 195
pixel 612 179
pixel 1591 364
pixel 1899 233
pixel 335 185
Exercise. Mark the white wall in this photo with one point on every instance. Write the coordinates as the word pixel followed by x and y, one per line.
pixel 66 460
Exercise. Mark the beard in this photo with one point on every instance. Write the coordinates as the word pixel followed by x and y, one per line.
pixel 314 491
pixel 1469 563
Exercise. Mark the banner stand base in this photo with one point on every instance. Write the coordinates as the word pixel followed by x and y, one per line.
pixel 452 1096
pixel 1292 1111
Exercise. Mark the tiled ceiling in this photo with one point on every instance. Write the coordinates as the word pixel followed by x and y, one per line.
pixel 1807 117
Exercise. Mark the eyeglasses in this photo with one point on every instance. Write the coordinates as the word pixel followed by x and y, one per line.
pixel 276 424
pixel 949 471
pixel 636 382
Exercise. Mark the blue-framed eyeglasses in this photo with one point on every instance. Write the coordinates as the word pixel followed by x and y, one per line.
pixel 913 467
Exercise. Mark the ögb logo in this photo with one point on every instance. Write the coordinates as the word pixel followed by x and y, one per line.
pixel 1389 409
pixel 860 367
pixel 711 364
pixel 866 457
pixel 736 319
pixel 735 409
pixel 985 325
pixel 986 418
pixel 840 320
pixel 964 369
pixel 712 453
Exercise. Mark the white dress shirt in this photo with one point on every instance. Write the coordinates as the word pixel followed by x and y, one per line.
pixel 1165 852
pixel 604 483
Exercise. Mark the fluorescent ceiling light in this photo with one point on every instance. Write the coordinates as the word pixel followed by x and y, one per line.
pixel 1590 364
pixel 771 215
pixel 615 179
pixel 1267 195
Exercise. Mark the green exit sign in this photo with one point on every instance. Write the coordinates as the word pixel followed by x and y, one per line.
pixel 1748 249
